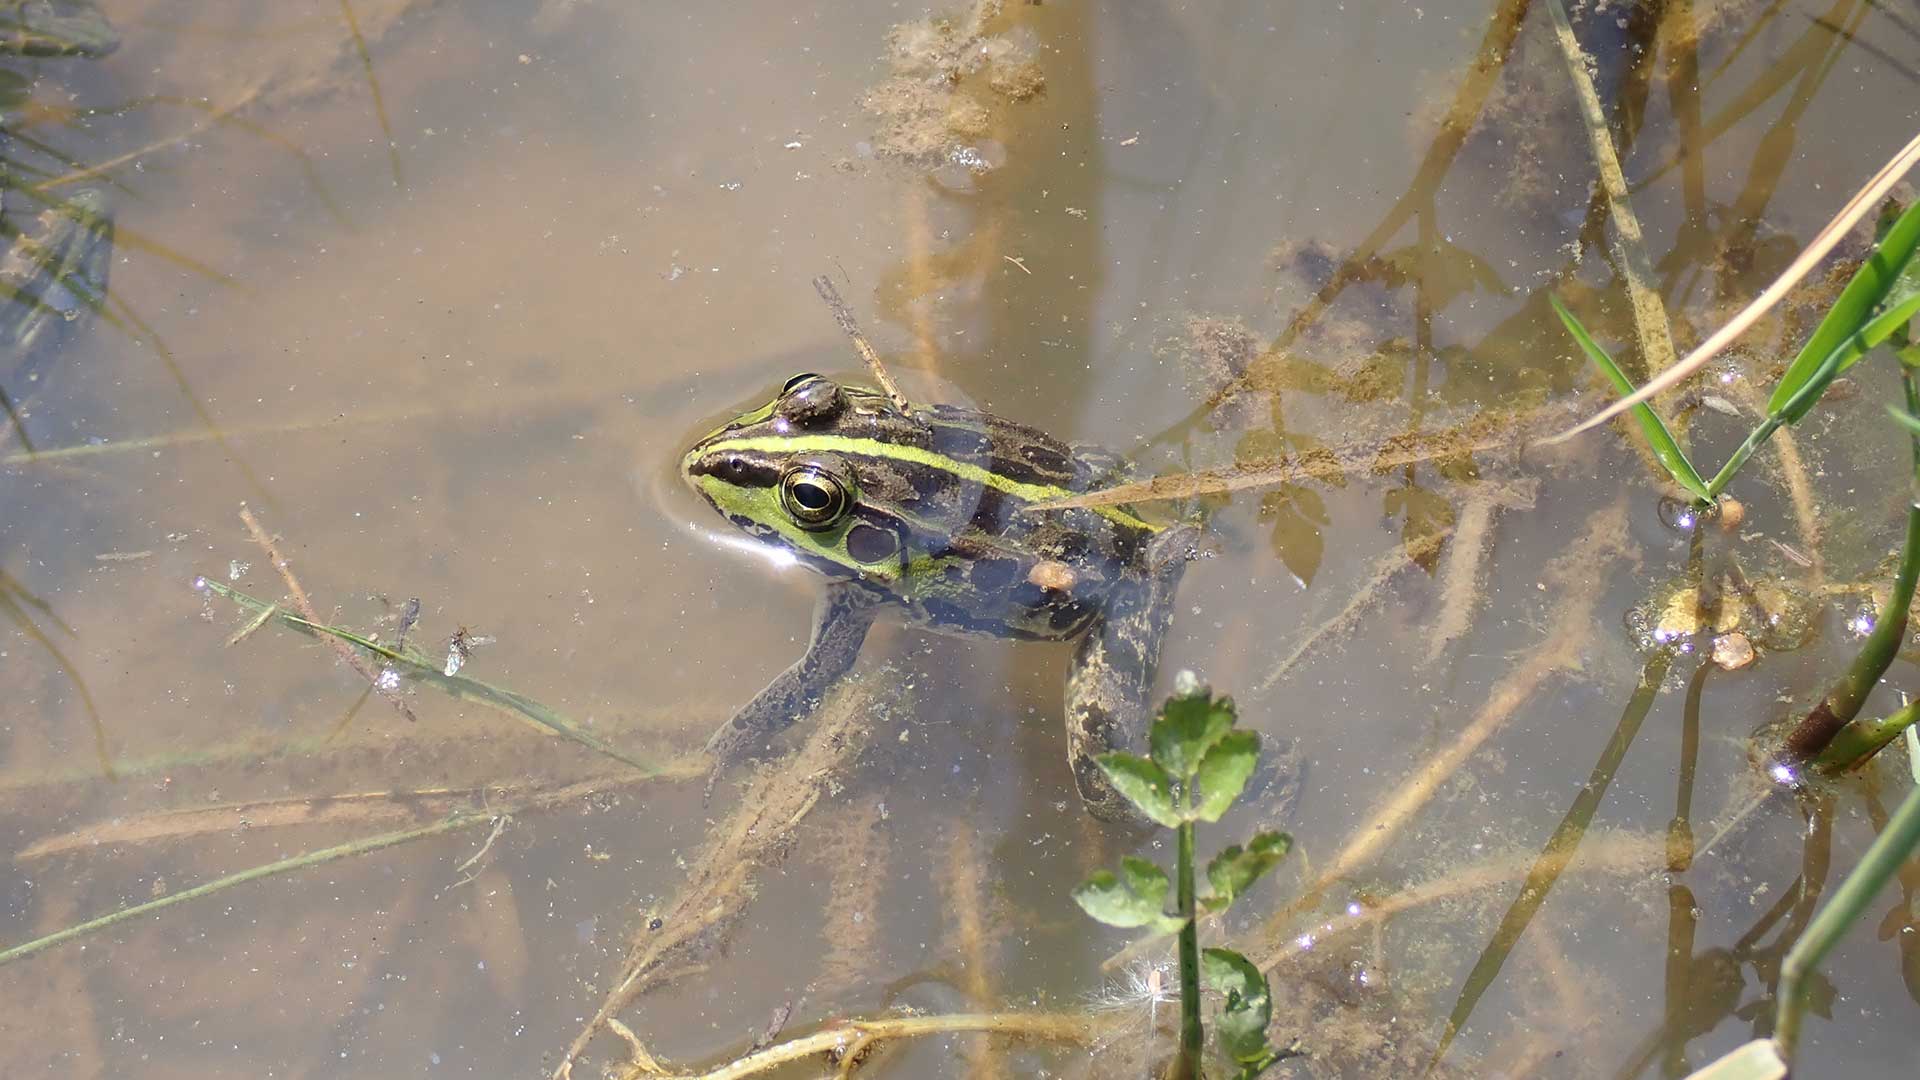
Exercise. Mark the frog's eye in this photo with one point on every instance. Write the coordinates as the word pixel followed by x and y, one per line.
pixel 814 497
pixel 811 401
pixel 797 380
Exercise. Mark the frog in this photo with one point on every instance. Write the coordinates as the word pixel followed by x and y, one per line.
pixel 54 271
pixel 56 28
pixel 56 248
pixel 935 515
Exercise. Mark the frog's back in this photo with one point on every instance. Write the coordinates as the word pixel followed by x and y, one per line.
pixel 991 565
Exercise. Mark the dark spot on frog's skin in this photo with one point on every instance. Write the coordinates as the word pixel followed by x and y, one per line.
pixel 1028 595
pixel 946 611
pixel 993 575
pixel 870 544
pixel 1045 457
pixel 956 574
pixel 1067 615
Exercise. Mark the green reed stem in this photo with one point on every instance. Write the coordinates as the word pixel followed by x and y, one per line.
pixel 1881 862
pixel 1187 1067
pixel 1842 703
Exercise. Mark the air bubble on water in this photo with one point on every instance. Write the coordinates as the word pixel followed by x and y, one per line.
pixel 237 569
pixel 70 314
pixel 1678 514
pixel 389 679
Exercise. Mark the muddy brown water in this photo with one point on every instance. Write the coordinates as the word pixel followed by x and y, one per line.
pixel 440 291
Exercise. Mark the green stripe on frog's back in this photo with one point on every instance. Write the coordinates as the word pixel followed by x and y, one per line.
pixel 859 447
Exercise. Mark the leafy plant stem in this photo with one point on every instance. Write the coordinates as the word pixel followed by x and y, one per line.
pixel 1842 703
pixel 1188 1065
pixel 1881 861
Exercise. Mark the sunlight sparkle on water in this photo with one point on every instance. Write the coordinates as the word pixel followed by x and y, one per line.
pixel 1783 774
pixel 780 557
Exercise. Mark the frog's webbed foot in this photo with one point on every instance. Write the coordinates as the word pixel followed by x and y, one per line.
pixel 840 622
pixel 1112 673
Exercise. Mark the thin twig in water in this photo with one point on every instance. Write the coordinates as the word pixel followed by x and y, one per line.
pixel 499 826
pixel 305 607
pixel 850 326
pixel 1371 592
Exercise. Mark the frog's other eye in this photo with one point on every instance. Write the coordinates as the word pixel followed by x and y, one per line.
pixel 811 401
pixel 814 497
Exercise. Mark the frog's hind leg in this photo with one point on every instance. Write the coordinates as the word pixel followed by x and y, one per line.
pixel 840 622
pixel 1112 674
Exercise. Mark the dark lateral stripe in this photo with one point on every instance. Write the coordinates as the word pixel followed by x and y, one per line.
pixel 852 446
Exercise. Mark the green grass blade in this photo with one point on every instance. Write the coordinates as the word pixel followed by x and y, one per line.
pixel 1870 288
pixel 1851 348
pixel 1658 437
pixel 422 668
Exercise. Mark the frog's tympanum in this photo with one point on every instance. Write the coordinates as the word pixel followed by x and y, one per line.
pixel 923 515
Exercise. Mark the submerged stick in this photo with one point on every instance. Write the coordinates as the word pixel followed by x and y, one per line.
pixel 850 326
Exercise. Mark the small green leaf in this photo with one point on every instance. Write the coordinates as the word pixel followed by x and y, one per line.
pixel 1144 784
pixel 1248 1010
pixel 1223 774
pixel 1911 421
pixel 1138 899
pixel 1665 449
pixel 1872 286
pixel 1188 726
pixel 1235 869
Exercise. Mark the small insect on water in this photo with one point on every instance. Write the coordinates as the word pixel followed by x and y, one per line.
pixel 460 649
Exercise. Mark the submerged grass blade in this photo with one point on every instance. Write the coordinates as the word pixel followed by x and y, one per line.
pixel 1665 448
pixel 1556 855
pixel 1882 860
pixel 298 862
pixel 422 668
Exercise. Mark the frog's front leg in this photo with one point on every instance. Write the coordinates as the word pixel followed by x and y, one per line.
pixel 840 622
pixel 1112 673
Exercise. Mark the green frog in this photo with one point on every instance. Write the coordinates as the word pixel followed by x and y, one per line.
pixel 55 28
pixel 923 514
pixel 55 267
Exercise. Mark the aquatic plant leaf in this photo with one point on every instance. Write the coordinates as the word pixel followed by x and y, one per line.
pixel 1298 514
pixel 1875 330
pixel 1136 899
pixel 1868 290
pixel 1242 1027
pixel 409 663
pixel 1187 727
pixel 1235 869
pixel 1223 773
pixel 1665 449
pixel 1144 784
